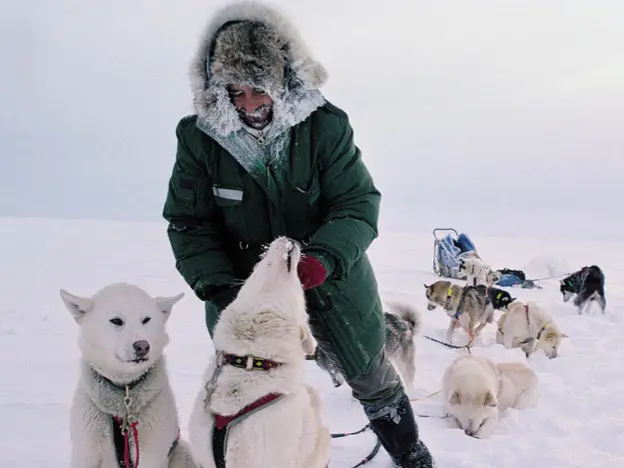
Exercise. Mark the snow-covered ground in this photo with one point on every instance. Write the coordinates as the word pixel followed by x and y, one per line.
pixel 579 422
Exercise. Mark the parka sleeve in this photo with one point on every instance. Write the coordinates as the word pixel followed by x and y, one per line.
pixel 195 233
pixel 352 201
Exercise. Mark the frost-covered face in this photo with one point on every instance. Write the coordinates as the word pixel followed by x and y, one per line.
pixel 254 105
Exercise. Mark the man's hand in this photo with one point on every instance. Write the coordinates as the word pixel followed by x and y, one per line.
pixel 311 272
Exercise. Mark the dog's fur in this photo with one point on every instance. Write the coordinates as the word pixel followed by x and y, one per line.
pixel 529 327
pixel 466 306
pixel 403 324
pixel 268 320
pixel 475 392
pixel 588 286
pixel 499 298
pixel 476 271
pixel 116 328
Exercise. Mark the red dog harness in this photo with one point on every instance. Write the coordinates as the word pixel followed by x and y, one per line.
pixel 122 442
pixel 223 423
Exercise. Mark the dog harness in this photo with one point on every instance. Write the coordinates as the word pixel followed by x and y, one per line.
pixel 126 424
pixel 121 438
pixel 539 333
pixel 223 423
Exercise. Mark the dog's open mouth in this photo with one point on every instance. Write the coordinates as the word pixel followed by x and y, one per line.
pixel 288 255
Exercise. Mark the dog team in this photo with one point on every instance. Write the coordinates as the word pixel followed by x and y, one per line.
pixel 124 412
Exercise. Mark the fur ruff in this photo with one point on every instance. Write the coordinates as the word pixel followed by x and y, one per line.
pixel 261 48
pixel 108 397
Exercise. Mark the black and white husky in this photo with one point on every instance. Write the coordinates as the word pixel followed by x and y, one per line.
pixel 403 323
pixel 588 286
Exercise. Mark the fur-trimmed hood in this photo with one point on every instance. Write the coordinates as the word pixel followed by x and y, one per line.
pixel 248 43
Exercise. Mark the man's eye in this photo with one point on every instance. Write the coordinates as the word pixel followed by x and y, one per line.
pixel 260 92
pixel 236 93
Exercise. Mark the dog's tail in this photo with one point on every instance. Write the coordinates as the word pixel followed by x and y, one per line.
pixel 407 312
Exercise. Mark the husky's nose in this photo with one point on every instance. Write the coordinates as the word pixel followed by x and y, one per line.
pixel 469 432
pixel 141 348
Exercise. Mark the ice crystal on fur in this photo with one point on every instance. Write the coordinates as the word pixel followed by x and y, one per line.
pixel 294 98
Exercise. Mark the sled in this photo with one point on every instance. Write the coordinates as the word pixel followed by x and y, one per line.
pixel 448 249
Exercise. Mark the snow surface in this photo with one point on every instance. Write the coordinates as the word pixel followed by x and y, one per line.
pixel 579 421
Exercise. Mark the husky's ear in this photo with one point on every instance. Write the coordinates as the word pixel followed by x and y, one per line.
pixel 426 286
pixel 511 299
pixel 165 304
pixel 490 400
pixel 455 399
pixel 77 306
pixel 308 343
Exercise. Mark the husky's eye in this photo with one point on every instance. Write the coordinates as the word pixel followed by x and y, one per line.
pixel 117 321
pixel 145 320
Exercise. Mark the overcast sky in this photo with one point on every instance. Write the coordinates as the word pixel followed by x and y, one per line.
pixel 499 116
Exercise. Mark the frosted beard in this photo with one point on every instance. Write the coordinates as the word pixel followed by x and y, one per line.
pixel 259 118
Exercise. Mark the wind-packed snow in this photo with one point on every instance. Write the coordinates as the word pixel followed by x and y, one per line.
pixel 579 421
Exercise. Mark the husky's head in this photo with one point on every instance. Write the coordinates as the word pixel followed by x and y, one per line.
pixel 566 286
pixel 471 410
pixel 493 276
pixel 500 298
pixel 268 317
pixel 437 293
pixel 550 340
pixel 122 329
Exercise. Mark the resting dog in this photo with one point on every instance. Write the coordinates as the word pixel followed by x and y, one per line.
pixel 403 324
pixel 529 327
pixel 476 271
pixel 254 409
pixel 588 286
pixel 123 394
pixel 466 306
pixel 475 391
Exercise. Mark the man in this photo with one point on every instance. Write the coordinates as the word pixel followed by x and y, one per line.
pixel 265 155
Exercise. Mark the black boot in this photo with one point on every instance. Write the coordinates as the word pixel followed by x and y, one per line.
pixel 398 434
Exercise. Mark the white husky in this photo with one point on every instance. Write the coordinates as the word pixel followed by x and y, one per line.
pixel 123 408
pixel 477 271
pixel 529 327
pixel 475 391
pixel 254 408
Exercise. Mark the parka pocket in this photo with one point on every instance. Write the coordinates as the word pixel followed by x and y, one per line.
pixel 309 190
pixel 226 196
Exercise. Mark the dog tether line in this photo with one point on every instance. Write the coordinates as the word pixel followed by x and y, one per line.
pixel 127 423
pixel 372 453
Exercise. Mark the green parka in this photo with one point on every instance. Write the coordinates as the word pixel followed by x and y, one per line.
pixel 307 181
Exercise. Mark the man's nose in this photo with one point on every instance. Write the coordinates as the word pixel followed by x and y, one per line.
pixel 250 104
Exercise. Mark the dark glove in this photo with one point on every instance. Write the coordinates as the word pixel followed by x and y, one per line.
pixel 221 295
pixel 311 272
